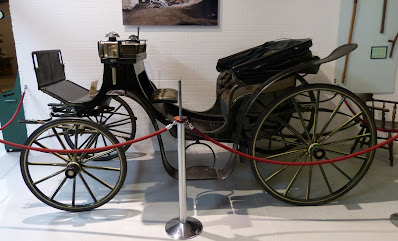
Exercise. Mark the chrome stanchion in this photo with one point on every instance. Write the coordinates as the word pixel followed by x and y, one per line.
pixel 182 227
pixel 394 219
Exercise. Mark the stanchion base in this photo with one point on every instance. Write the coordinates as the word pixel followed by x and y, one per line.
pixel 394 219
pixel 180 231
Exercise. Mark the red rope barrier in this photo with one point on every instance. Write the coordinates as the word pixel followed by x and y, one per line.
pixel 98 149
pixel 197 132
pixel 292 163
pixel 15 114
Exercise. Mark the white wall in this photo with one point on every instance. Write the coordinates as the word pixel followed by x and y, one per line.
pixel 75 26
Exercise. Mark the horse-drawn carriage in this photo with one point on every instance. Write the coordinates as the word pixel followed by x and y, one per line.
pixel 264 107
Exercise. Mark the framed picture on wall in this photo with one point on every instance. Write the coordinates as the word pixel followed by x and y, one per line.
pixel 170 12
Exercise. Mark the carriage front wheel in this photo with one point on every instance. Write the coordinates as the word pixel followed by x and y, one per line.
pixel 312 123
pixel 73 182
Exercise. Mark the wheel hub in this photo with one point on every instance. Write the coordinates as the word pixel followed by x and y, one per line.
pixel 316 150
pixel 72 170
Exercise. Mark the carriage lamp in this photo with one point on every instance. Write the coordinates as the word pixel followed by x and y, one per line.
pixel 115 52
pixel 109 48
pixel 122 49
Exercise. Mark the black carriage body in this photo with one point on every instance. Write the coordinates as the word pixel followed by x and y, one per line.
pixel 256 92
pixel 248 70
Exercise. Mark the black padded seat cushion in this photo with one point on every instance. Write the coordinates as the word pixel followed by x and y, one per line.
pixel 67 92
pixel 232 95
pixel 224 82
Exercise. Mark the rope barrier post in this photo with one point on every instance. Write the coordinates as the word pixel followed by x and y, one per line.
pixel 394 219
pixel 182 227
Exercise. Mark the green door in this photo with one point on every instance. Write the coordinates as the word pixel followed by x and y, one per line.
pixel 10 89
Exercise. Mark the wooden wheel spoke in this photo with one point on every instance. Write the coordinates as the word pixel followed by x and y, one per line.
pixel 294 131
pixel 76 136
pixel 339 169
pixel 98 180
pixel 53 153
pixel 345 153
pixel 316 115
pixel 126 138
pixel 86 141
pixel 61 142
pixel 282 169
pixel 112 113
pixel 342 127
pixel 118 123
pixel 91 119
pixel 298 111
pixel 63 133
pixel 307 196
pixel 325 179
pixel 103 168
pixel 123 132
pixel 104 140
pixel 98 155
pixel 286 153
pixel 49 176
pixel 294 177
pixel 88 188
pixel 282 140
pixel 59 188
pixel 93 139
pixel 346 139
pixel 297 118
pixel 74 192
pixel 335 111
pixel 47 164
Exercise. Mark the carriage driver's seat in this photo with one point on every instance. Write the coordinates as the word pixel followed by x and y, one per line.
pixel 50 74
pixel 231 94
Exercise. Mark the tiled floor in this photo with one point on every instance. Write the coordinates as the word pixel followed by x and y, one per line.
pixel 232 209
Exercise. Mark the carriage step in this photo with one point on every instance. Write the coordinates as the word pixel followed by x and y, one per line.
pixel 201 173
pixel 55 104
pixel 164 96
pixel 34 121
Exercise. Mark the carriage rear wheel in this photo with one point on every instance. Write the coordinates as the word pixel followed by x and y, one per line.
pixel 73 182
pixel 119 119
pixel 323 124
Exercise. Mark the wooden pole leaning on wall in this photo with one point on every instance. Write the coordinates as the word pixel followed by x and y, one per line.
pixel 354 13
pixel 393 44
pixel 383 19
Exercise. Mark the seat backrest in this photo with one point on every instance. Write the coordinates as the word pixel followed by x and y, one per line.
pixel 49 67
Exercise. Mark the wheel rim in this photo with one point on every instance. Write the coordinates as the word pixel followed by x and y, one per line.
pixel 72 182
pixel 318 129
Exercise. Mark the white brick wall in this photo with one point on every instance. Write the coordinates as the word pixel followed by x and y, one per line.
pixel 75 26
